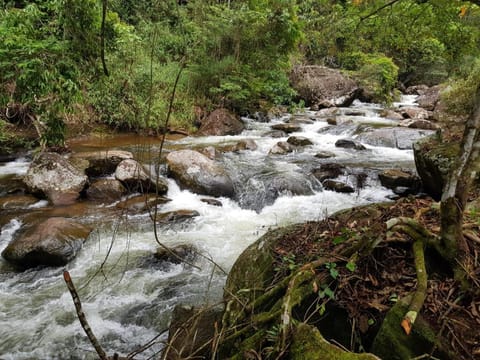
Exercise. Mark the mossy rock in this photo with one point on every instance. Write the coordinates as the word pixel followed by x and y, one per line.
pixel 434 160
pixel 253 271
pixel 392 343
pixel 309 344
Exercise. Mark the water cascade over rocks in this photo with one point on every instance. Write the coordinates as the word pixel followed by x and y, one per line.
pixel 128 293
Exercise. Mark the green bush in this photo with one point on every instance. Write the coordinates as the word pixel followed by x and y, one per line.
pixel 459 96
pixel 378 77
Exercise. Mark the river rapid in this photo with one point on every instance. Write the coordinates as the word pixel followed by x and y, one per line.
pixel 127 294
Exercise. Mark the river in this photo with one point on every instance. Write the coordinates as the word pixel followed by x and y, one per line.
pixel 128 296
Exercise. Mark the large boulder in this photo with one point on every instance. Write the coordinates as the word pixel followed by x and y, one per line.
pixel 100 163
pixel 53 242
pixel 196 172
pixel 396 137
pixel 191 333
pixel 138 179
pixel 51 175
pixel 317 84
pixel 429 98
pixel 221 122
pixel 434 160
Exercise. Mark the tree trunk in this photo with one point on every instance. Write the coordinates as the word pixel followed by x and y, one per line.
pixel 102 37
pixel 454 197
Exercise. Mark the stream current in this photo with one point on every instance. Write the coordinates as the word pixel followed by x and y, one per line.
pixel 128 296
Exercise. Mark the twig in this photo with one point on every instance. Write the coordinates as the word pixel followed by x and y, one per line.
pixel 81 316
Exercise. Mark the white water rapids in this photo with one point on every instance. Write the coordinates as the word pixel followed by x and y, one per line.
pixel 130 299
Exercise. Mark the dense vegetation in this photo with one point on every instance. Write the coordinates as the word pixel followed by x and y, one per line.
pixel 234 54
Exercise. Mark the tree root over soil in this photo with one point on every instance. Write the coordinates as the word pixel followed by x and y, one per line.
pixel 360 261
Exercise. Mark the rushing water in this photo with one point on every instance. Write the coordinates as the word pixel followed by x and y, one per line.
pixel 127 295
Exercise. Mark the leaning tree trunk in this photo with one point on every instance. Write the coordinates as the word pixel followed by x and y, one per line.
pixel 455 192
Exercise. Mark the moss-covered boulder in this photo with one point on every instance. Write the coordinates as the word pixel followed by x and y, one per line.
pixel 434 160
pixel 392 343
pixel 309 344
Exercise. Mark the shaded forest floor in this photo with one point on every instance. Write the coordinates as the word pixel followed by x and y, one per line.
pixel 387 273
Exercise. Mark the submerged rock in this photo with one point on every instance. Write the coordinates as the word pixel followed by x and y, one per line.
pixel 337 186
pixel 281 148
pixel 299 141
pixel 176 254
pixel 53 176
pixel 198 173
pixel 53 242
pixel 17 201
pixel 177 216
pixel 349 144
pixel 142 203
pixel 287 127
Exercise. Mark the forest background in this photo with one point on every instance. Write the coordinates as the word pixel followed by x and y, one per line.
pixel 115 62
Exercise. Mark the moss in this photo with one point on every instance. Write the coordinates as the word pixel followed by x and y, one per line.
pixel 309 344
pixel 392 343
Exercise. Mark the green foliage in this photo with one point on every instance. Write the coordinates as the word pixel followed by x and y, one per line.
pixel 378 77
pixel 244 53
pixel 459 97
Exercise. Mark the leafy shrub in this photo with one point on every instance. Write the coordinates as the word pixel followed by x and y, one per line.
pixel 378 77
pixel 459 97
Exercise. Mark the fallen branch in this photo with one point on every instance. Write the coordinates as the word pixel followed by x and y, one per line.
pixel 421 292
pixel 81 317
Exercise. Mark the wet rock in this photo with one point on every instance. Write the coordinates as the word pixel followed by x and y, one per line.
pixel 142 203
pixel 391 115
pixel 53 242
pixel 137 179
pixel 419 124
pixel 414 113
pixel 345 129
pixel 287 127
pixel 176 254
pixel 315 84
pixel 261 117
pixel 394 178
pixel 221 122
pixel 17 201
pixel 332 121
pixel 299 141
pixel 275 134
pixel 355 113
pixel 434 160
pixel 328 171
pixel 324 155
pixel 337 186
pixel 247 144
pixel 429 98
pixel 213 202
pixel 349 144
pixel 300 119
pixel 281 148
pixel 325 113
pixel 211 152
pixel 324 104
pixel 106 190
pixel 177 216
pixel 53 176
pixel 191 332
pixel 100 163
pixel 199 174
pixel 397 137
